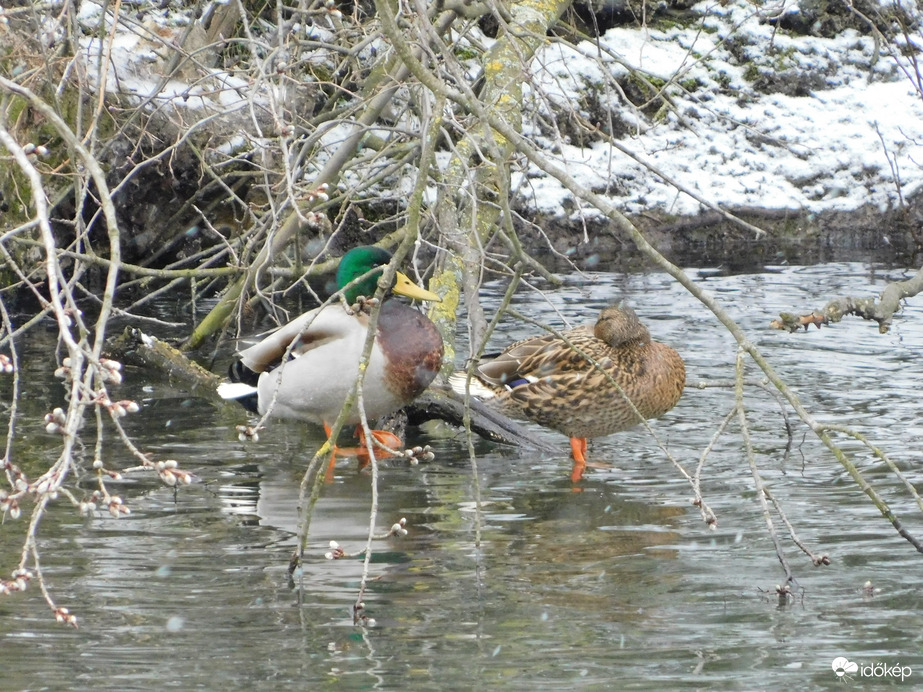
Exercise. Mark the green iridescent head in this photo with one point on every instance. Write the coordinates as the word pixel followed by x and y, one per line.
pixel 363 259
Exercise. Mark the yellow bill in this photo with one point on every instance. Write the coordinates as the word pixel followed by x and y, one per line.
pixel 403 286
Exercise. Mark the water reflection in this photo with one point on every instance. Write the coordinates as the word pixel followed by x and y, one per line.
pixel 619 584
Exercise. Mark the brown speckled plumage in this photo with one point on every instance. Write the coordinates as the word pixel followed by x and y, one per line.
pixel 551 382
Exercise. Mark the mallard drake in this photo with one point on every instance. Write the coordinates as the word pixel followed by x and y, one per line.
pixel 326 344
pixel 551 382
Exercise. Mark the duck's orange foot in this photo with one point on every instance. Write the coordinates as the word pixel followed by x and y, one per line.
pixel 382 439
pixel 578 449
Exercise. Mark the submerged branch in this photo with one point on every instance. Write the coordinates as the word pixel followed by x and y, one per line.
pixel 133 345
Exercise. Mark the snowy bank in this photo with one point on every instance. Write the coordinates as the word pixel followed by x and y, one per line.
pixel 854 138
pixel 757 116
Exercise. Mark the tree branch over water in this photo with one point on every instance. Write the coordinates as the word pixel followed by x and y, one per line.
pixel 881 311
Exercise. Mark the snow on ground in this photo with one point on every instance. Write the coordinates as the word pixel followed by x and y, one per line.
pixel 854 138
pixel 832 149
pixel 135 55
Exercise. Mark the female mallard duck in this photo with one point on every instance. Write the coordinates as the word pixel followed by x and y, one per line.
pixel 326 344
pixel 552 382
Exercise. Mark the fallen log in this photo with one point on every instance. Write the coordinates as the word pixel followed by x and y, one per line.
pixel 437 403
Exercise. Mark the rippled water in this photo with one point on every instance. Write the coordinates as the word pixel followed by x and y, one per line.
pixel 613 583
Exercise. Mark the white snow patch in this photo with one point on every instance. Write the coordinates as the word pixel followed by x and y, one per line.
pixel 845 144
pixel 831 149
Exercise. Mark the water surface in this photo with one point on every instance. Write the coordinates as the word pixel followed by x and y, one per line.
pixel 615 582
